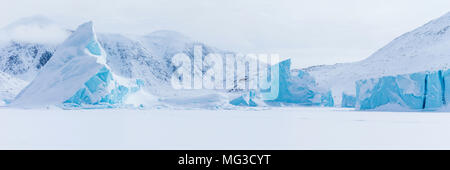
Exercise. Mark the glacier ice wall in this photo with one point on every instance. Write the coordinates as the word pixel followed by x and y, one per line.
pixel 416 91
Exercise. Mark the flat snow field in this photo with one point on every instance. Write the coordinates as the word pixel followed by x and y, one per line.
pixel 274 128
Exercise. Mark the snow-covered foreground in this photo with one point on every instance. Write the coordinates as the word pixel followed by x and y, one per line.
pixel 275 128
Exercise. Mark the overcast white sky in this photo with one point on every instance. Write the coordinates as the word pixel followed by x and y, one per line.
pixel 311 32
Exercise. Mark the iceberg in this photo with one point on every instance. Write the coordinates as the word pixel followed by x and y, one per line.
pixel 416 91
pixel 77 76
pixel 102 89
pixel 445 81
pixel 245 100
pixel 296 88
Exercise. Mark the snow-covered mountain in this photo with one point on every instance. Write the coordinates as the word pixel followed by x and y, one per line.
pixel 129 58
pixel 23 60
pixel 423 49
pixel 149 57
pixel 27 44
pixel 9 87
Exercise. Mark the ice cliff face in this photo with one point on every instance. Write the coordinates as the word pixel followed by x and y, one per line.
pixel 77 75
pixel 294 88
pixel 416 91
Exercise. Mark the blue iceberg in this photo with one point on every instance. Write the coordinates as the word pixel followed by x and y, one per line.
pixel 245 100
pixel 348 101
pixel 416 91
pixel 102 90
pixel 78 76
pixel 297 89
